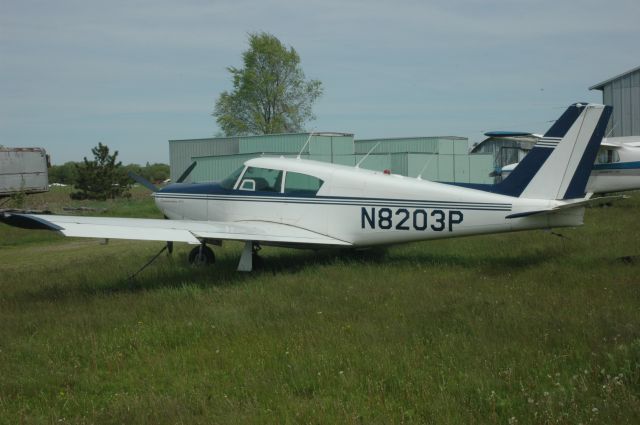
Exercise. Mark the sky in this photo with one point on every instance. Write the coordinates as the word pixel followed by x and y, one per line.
pixel 135 74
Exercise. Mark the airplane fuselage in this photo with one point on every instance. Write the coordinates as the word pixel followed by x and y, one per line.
pixel 361 207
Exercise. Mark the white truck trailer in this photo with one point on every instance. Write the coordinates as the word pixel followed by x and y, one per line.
pixel 23 170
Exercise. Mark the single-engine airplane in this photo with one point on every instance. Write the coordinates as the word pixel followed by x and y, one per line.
pixel 301 203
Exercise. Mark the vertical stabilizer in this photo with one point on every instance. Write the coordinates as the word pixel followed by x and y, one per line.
pixel 572 144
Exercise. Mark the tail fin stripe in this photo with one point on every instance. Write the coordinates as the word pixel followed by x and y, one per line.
pixel 566 120
pixel 576 188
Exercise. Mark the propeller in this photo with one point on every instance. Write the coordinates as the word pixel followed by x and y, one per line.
pixel 186 172
pixel 146 183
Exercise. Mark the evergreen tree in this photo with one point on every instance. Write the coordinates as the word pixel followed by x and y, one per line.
pixel 102 178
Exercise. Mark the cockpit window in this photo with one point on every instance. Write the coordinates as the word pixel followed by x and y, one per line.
pixel 301 184
pixel 230 181
pixel 264 180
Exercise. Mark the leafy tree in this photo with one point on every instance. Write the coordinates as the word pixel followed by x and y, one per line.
pixel 156 173
pixel 66 173
pixel 103 178
pixel 270 94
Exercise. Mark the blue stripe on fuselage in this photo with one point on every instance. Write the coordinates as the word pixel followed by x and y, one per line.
pixel 618 166
pixel 214 192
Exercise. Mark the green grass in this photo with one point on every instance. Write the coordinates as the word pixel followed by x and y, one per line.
pixel 525 328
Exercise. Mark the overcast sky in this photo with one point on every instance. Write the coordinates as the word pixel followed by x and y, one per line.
pixel 134 74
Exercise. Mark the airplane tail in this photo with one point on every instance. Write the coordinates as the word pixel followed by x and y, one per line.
pixel 560 163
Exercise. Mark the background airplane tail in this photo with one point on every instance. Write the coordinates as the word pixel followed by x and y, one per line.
pixel 559 165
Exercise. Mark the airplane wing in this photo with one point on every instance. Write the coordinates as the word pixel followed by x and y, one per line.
pixel 168 230
pixel 607 144
pixel 588 202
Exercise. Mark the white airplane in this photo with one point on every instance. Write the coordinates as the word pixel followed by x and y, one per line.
pixel 616 167
pixel 301 203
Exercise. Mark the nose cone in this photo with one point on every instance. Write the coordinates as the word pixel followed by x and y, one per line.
pixel 169 202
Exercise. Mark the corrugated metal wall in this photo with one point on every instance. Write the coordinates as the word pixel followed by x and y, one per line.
pixel 438 158
pixel 459 145
pixel 438 167
pixel 181 152
pixel 624 95
pixel 292 143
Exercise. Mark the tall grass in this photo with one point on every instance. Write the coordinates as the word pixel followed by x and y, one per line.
pixel 513 328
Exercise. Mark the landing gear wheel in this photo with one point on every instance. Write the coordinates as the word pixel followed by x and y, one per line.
pixel 201 256
pixel 258 262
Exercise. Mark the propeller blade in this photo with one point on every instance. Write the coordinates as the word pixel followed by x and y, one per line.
pixel 146 183
pixel 186 173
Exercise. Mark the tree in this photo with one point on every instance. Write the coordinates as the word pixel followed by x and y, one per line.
pixel 66 173
pixel 103 178
pixel 270 94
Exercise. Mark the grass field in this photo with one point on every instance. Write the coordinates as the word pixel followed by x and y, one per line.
pixel 525 328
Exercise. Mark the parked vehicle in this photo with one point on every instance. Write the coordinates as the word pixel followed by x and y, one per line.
pixel 23 170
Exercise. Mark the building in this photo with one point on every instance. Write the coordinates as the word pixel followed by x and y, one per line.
pixel 218 157
pixel 444 159
pixel 505 147
pixel 623 93
pixel 433 158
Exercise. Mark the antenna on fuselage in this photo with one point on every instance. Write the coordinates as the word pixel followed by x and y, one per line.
pixel 613 127
pixel 365 157
pixel 425 167
pixel 305 145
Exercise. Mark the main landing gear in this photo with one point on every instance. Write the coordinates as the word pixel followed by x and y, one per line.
pixel 202 255
pixel 250 258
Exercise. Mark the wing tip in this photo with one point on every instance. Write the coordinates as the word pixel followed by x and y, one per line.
pixel 27 221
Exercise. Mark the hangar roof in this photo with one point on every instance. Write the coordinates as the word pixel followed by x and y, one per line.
pixel 600 86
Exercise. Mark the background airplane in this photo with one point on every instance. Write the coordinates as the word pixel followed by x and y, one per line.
pixel 302 203
pixel 616 167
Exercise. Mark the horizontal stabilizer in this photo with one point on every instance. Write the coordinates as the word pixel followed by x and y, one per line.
pixel 586 203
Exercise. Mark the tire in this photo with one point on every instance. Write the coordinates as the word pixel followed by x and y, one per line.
pixel 258 262
pixel 201 256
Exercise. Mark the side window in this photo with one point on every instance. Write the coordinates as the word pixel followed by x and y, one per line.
pixel 615 157
pixel 261 180
pixel 602 157
pixel 607 156
pixel 301 184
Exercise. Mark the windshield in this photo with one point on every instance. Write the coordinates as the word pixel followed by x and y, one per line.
pixel 262 179
pixel 230 181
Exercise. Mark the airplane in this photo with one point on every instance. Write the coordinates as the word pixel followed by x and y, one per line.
pixel 308 204
pixel 616 168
